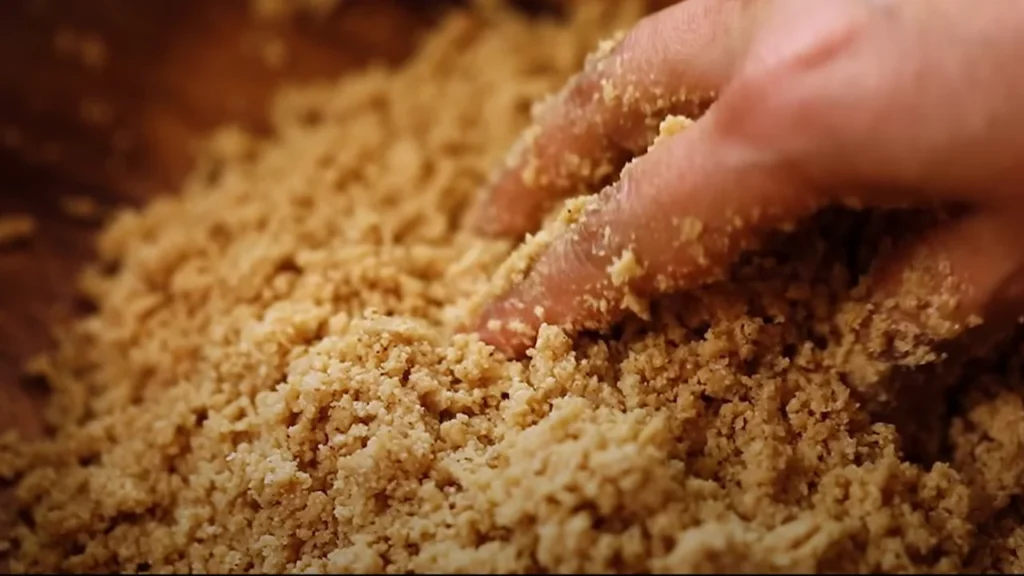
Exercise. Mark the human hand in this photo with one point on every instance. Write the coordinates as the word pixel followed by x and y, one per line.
pixel 846 102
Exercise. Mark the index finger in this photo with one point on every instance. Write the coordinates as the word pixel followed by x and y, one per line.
pixel 677 218
pixel 671 62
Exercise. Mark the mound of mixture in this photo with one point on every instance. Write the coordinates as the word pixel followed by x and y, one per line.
pixel 273 378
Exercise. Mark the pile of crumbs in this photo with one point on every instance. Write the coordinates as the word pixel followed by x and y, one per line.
pixel 273 379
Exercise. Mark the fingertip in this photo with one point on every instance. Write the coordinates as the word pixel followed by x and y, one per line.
pixel 502 208
pixel 938 277
pixel 511 334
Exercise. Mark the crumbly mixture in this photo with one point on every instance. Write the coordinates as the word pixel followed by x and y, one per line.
pixel 272 379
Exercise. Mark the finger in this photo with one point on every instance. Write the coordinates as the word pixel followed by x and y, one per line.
pixel 678 217
pixel 669 63
pixel 953 277
pixel 958 278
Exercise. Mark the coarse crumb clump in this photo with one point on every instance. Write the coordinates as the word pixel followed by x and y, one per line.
pixel 16 228
pixel 272 380
pixel 672 125
pixel 625 268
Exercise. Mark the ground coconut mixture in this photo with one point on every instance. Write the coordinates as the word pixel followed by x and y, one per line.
pixel 274 380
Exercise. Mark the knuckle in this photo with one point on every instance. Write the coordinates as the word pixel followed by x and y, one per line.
pixel 799 35
pixel 777 83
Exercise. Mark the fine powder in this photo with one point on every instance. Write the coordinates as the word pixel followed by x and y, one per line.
pixel 273 378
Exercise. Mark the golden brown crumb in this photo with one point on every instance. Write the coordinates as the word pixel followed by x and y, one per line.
pixel 670 126
pixel 270 381
pixel 606 46
pixel 16 228
pixel 625 268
